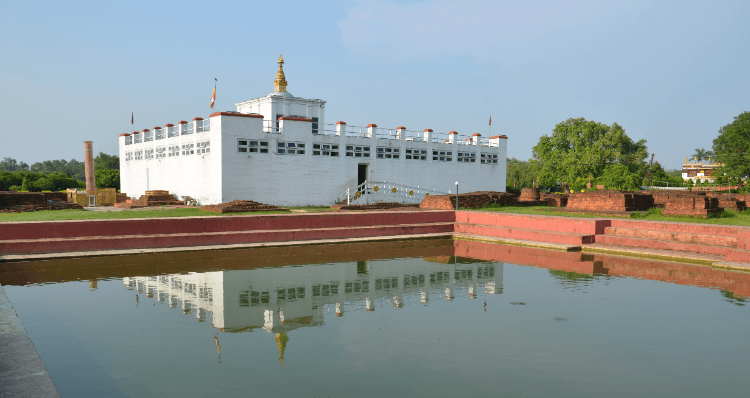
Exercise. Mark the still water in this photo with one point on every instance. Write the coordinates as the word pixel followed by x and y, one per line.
pixel 429 318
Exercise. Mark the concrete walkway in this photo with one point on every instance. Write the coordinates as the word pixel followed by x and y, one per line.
pixel 22 373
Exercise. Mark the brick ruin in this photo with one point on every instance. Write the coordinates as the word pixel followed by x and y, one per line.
pixel 240 206
pixel 611 201
pixel 17 202
pixel 471 200
pixel 151 199
pixel 694 206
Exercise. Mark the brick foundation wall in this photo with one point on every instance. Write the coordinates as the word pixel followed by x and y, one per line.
pixel 13 198
pixel 554 199
pixel 471 200
pixel 607 200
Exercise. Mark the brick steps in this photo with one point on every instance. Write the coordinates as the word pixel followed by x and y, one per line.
pixel 705 229
pixel 89 243
pixel 524 234
pixel 662 244
pixel 682 237
pixel 586 226
pixel 653 253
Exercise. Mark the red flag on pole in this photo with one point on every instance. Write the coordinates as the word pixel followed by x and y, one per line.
pixel 213 96
pixel 490 120
pixel 131 117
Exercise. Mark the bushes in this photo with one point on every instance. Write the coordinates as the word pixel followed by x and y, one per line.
pixel 37 182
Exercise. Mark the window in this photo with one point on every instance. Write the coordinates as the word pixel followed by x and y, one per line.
pixel 159 134
pixel 161 152
pixel 245 145
pixel 128 156
pixel 290 148
pixel 358 151
pixel 187 149
pixel 149 136
pixel 467 157
pixel 138 155
pixel 174 151
pixel 202 125
pixel 203 148
pixel 416 154
pixel 149 153
pixel 443 156
pixel 387 152
pixel 137 138
pixel 315 125
pixel 128 140
pixel 489 158
pixel 325 150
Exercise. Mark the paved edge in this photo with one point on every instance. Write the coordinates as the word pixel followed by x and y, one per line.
pixel 22 373
pixel 676 257
pixel 99 253
pixel 516 242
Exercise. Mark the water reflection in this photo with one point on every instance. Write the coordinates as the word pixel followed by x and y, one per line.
pixel 280 300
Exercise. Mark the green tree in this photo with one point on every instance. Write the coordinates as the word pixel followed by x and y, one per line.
pixel 107 178
pixel 9 164
pixel 521 172
pixel 619 176
pixel 732 147
pixel 104 161
pixel 579 148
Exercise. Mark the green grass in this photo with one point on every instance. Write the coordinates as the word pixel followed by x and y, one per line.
pixel 727 217
pixel 54 215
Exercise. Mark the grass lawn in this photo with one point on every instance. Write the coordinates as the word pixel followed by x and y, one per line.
pixel 54 215
pixel 728 217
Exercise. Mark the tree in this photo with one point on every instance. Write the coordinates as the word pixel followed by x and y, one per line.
pixel 520 172
pixel 8 164
pixel 619 176
pixel 104 161
pixel 579 148
pixel 700 154
pixel 732 147
pixel 107 178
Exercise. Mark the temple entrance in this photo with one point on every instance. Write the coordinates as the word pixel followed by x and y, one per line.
pixel 361 173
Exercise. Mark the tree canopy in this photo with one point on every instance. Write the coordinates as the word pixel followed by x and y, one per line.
pixel 579 148
pixel 732 147
pixel 522 173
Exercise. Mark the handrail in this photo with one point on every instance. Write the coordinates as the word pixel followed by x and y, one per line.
pixel 386 189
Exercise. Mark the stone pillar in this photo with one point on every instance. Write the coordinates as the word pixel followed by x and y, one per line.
pixel 401 133
pixel 88 156
pixel 427 135
pixel 452 136
pixel 371 133
pixel 341 129
pixel 475 138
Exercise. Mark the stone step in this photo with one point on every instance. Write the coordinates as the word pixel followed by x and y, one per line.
pixel 524 234
pixel 89 243
pixel 660 254
pixel 683 227
pixel 662 245
pixel 172 225
pixel 684 237
pixel 738 255
pixel 587 226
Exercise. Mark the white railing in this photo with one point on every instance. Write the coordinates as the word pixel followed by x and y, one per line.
pixel 202 125
pixel 271 127
pixel 159 134
pixel 665 188
pixel 375 191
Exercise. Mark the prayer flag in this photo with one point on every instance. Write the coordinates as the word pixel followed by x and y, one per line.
pixel 131 117
pixel 213 97
pixel 490 120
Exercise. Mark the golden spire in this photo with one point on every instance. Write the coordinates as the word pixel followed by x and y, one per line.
pixel 281 340
pixel 280 83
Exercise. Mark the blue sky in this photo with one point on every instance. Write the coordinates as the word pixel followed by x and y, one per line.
pixel 671 72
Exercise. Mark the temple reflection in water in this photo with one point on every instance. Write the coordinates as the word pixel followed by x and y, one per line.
pixel 286 298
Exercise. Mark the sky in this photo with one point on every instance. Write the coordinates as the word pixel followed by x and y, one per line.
pixel 669 72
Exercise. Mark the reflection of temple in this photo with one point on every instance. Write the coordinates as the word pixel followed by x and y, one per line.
pixel 283 299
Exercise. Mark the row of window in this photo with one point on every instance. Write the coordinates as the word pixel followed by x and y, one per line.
pixel 201 148
pixel 159 134
pixel 298 148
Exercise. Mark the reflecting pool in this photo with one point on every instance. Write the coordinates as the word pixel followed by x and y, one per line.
pixel 420 318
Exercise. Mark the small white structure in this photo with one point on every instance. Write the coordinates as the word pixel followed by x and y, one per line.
pixel 278 150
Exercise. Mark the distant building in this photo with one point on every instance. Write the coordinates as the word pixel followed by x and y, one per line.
pixel 278 149
pixel 703 172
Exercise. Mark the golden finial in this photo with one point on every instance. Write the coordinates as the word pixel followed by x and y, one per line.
pixel 280 83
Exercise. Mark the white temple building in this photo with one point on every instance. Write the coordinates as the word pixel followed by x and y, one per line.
pixel 279 150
